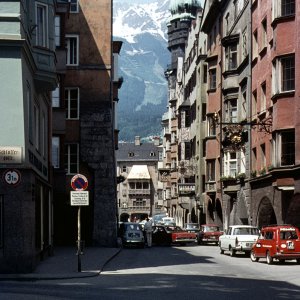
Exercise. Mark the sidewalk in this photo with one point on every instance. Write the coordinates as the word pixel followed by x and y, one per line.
pixel 64 264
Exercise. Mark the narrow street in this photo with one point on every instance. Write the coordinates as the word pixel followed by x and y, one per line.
pixel 191 272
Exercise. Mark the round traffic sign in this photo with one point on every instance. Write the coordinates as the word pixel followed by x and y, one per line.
pixel 79 182
pixel 12 177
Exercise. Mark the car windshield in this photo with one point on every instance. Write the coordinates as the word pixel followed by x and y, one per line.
pixel 173 228
pixel 133 227
pixel 192 226
pixel 210 228
pixel 246 231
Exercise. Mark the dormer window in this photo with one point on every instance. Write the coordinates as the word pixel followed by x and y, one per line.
pixel 152 154
pixel 130 154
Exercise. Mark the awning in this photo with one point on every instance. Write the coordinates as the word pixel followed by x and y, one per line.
pixel 139 172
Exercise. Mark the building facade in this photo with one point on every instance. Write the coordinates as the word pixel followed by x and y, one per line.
pixel 140 192
pixel 28 71
pixel 85 130
pixel 245 143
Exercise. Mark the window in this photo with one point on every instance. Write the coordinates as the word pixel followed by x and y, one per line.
pixel 244 43
pixel 231 57
pixel 56 97
pixel 204 73
pixel 36 125
pixel 41 25
pixel 211 170
pixel 73 6
pixel 263 155
pixel 254 103
pixel 72 103
pixel 230 164
pixel 72 158
pixel 288 73
pixel 283 8
pixel 283 74
pixel 57 30
pixel 264 38
pixel 55 152
pixel 124 169
pixel 30 115
pixel 231 111
pixel 72 44
pixel 284 146
pixel 187 150
pixel 44 132
pixel 211 126
pixel 213 79
pixel 139 203
pixel 287 7
pixel 263 97
pixel 254 159
pixel 254 45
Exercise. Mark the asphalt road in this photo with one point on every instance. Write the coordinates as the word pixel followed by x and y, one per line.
pixel 191 272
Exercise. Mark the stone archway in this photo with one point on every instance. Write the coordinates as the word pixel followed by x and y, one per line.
pixel 293 211
pixel 265 214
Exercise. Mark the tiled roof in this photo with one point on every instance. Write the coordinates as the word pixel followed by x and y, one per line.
pixel 142 152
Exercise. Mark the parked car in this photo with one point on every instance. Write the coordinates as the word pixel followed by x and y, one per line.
pixel 209 233
pixel 192 227
pixel 238 238
pixel 167 235
pixel 157 219
pixel 168 221
pixel 281 242
pixel 131 234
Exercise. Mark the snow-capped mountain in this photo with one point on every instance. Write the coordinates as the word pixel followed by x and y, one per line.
pixel 141 25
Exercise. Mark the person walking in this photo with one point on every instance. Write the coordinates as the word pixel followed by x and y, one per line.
pixel 148 230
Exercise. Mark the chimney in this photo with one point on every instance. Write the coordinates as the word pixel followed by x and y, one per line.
pixel 137 141
pixel 156 141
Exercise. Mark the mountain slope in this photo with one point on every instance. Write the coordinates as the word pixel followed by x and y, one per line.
pixel 144 56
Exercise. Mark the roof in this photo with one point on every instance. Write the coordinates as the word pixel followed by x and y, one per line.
pixel 139 172
pixel 142 152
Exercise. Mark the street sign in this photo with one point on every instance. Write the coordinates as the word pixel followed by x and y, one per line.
pixel 79 198
pixel 79 182
pixel 12 177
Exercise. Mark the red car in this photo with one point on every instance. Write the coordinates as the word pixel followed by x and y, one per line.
pixel 167 235
pixel 209 233
pixel 281 242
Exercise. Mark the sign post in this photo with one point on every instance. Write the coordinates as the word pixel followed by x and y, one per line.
pixel 79 198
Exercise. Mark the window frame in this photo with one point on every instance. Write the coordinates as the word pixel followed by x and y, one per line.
pixel 56 152
pixel 42 32
pixel 68 157
pixel 72 60
pixel 210 170
pixel 278 72
pixel 228 162
pixel 231 57
pixel 68 102
pixel 278 148
pixel 74 6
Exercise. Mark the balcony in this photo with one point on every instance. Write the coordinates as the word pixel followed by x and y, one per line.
pixel 138 192
pixel 186 189
pixel 210 187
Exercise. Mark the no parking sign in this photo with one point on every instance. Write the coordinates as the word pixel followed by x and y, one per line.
pixel 79 182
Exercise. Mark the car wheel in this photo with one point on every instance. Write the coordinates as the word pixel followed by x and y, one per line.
pixel 232 252
pixel 269 258
pixel 253 257
pixel 298 260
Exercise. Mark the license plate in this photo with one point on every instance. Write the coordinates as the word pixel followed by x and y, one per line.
pixel 290 245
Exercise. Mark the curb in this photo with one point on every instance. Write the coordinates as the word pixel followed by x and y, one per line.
pixel 37 277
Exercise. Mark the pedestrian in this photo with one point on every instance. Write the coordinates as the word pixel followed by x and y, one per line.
pixel 148 230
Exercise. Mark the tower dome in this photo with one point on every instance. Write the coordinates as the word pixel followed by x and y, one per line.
pixel 179 6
